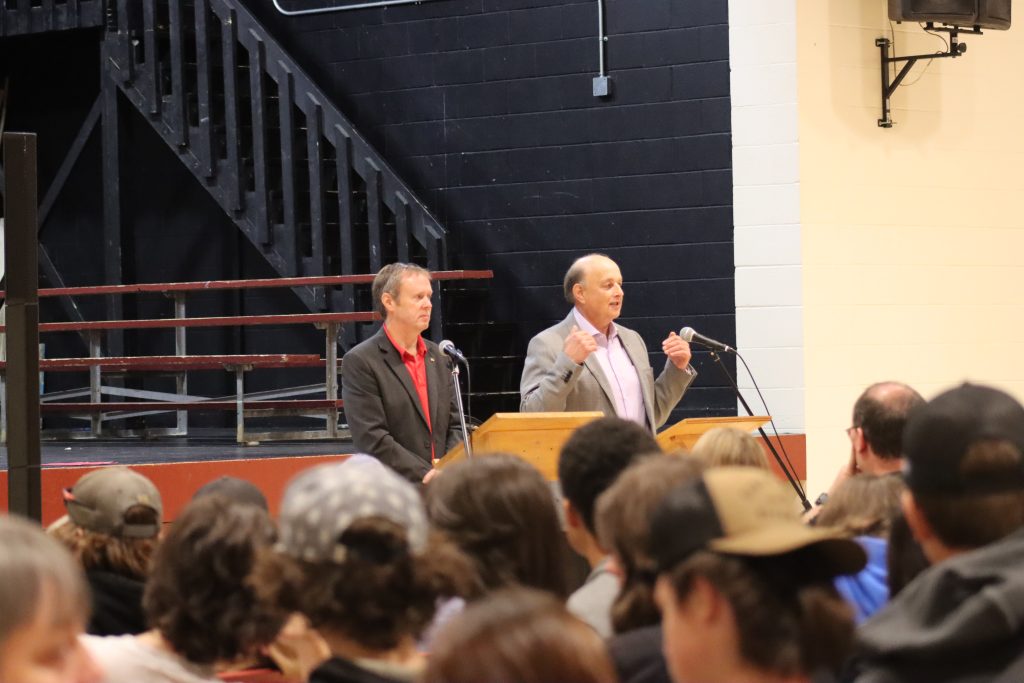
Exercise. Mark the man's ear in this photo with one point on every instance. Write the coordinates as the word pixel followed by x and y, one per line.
pixel 572 517
pixel 860 444
pixel 578 293
pixel 704 601
pixel 387 301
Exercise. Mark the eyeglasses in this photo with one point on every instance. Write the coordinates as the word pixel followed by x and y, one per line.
pixel 850 429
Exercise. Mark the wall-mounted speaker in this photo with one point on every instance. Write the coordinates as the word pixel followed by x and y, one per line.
pixel 994 14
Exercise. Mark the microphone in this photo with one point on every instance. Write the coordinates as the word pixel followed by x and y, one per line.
pixel 690 335
pixel 447 347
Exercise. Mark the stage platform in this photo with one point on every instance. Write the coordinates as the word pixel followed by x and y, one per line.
pixel 178 466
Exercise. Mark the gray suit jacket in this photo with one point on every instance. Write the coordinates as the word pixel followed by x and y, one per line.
pixel 552 382
pixel 384 412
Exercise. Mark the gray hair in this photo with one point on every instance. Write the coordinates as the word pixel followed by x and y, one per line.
pixel 31 561
pixel 575 275
pixel 389 280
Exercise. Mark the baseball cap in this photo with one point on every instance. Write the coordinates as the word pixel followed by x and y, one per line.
pixel 321 503
pixel 940 433
pixel 742 511
pixel 99 500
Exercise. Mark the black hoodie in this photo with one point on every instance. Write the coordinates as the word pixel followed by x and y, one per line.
pixel 116 604
pixel 960 621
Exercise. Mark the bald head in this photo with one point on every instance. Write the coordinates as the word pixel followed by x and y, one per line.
pixel 881 413
pixel 578 272
pixel 594 286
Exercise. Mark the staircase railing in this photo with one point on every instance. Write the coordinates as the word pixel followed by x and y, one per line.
pixel 21 17
pixel 293 173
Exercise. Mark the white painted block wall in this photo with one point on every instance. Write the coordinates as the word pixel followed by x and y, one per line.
pixel 766 205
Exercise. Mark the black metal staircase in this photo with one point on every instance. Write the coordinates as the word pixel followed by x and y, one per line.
pixel 23 17
pixel 295 176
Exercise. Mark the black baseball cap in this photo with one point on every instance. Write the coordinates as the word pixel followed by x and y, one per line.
pixel 940 433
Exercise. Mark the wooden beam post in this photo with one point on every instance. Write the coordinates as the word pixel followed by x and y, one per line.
pixel 21 263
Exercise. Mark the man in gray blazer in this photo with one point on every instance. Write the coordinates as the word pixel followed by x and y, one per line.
pixel 587 362
pixel 397 387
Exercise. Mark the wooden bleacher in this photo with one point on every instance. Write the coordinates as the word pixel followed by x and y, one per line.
pixel 266 404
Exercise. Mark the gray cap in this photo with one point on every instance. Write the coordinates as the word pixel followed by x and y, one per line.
pixel 99 500
pixel 321 503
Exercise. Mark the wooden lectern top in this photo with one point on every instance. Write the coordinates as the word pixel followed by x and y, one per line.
pixel 534 437
pixel 685 433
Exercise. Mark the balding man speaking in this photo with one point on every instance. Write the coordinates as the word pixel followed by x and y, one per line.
pixel 587 362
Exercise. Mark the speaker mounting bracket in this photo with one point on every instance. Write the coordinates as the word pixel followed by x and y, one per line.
pixel 955 49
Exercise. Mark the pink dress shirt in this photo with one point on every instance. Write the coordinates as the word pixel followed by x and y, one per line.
pixel 618 369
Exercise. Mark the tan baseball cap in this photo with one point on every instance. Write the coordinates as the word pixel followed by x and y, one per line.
pixel 743 511
pixel 99 500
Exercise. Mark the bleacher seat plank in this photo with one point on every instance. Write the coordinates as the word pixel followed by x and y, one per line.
pixel 219 321
pixel 199 286
pixel 133 406
pixel 179 363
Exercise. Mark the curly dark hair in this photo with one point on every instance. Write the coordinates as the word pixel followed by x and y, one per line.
pixel 519 634
pixel 595 455
pixel 499 510
pixel 200 594
pixel 380 593
pixel 789 620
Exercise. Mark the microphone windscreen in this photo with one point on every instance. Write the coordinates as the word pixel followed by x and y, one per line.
pixel 687 334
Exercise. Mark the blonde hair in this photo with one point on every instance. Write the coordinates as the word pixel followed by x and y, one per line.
pixel 863 505
pixel 728 446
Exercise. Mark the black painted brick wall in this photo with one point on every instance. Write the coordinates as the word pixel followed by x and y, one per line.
pixel 486 108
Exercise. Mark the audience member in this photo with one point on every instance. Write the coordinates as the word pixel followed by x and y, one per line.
pixel 518 635
pixel 590 461
pixel 729 446
pixel 499 510
pixel 863 508
pixel 112 528
pixel 962 619
pixel 356 556
pixel 746 592
pixel 876 433
pixel 234 489
pixel 44 603
pixel 624 515
pixel 203 610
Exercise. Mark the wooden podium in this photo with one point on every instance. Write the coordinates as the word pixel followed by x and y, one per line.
pixel 685 433
pixel 537 438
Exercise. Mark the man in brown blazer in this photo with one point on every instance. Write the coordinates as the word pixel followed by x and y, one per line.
pixel 397 386
pixel 588 362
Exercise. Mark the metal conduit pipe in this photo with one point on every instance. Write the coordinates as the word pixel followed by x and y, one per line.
pixel 342 8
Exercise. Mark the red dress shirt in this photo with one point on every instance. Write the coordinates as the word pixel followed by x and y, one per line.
pixel 417 367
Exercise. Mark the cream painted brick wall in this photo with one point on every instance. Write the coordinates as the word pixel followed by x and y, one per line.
pixel 912 238
pixel 766 205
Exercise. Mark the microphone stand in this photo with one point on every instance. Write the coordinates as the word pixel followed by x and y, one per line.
pixel 462 412
pixel 785 470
